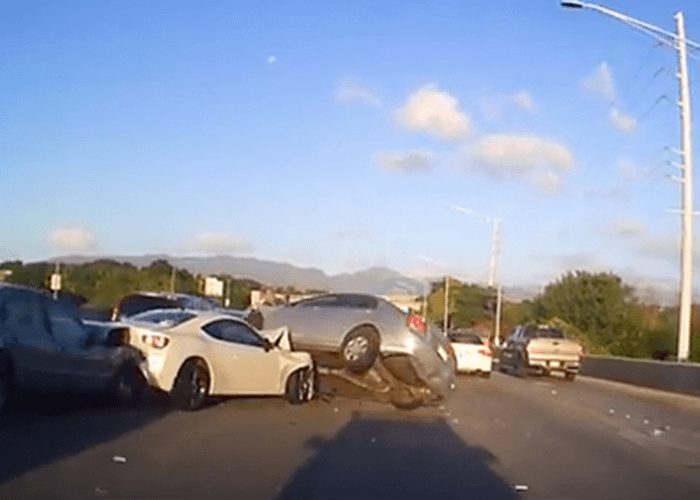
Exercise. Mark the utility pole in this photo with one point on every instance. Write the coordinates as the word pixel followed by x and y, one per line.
pixel 446 309
pixel 678 42
pixel 686 288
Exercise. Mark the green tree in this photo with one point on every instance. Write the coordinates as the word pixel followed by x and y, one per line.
pixel 600 305
pixel 469 305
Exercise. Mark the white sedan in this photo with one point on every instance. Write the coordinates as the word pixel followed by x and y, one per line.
pixel 472 353
pixel 194 354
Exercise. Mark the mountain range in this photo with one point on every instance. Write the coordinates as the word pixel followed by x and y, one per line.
pixel 375 280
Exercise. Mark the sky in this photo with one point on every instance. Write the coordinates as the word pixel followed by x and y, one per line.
pixel 344 135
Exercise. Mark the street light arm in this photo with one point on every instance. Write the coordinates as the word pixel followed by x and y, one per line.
pixel 642 26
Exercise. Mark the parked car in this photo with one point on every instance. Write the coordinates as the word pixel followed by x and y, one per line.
pixel 196 354
pixel 472 353
pixel 45 347
pixel 541 349
pixel 354 331
pixel 139 302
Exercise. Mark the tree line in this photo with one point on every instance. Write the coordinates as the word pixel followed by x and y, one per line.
pixel 100 284
pixel 597 309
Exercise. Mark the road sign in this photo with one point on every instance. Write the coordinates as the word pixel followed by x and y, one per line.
pixel 55 282
pixel 213 287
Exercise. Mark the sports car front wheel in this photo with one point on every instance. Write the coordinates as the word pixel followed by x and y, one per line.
pixel 301 386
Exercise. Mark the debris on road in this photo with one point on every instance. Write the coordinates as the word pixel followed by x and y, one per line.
pixel 521 487
pixel 99 490
pixel 374 440
pixel 667 427
pixel 554 393
pixel 628 416
pixel 455 420
pixel 611 412
pixel 335 410
pixel 646 421
pixel 118 459
pixel 657 432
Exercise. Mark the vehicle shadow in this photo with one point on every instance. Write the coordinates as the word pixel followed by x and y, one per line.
pixel 37 431
pixel 408 457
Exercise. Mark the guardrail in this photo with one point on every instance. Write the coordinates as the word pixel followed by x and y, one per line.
pixel 665 375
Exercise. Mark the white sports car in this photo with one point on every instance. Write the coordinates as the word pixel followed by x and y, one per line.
pixel 195 354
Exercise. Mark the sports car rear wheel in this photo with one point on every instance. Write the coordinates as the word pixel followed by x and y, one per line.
pixel 360 349
pixel 191 388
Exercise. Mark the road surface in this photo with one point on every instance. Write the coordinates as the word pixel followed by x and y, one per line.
pixel 499 438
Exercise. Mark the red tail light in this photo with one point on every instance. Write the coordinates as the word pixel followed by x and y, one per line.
pixel 416 324
pixel 155 341
pixel 485 352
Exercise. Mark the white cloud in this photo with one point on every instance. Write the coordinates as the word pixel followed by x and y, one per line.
pixel 622 122
pixel 73 239
pixel 600 83
pixel 512 152
pixel 524 101
pixel 630 170
pixel 435 112
pixel 413 161
pixel 547 181
pixel 352 92
pixel 612 193
pixel 271 60
pixel 627 228
pixel 539 161
pixel 218 243
pixel 492 106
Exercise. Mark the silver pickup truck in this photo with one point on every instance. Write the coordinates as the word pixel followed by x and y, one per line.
pixel 542 349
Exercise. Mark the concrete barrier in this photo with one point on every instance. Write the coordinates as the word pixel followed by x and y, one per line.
pixel 665 375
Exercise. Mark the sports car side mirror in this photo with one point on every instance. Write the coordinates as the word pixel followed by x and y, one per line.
pixel 267 345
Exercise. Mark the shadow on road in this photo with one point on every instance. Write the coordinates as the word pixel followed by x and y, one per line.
pixel 39 431
pixel 384 457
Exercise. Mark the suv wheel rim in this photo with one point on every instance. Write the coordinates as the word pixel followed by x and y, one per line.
pixel 356 348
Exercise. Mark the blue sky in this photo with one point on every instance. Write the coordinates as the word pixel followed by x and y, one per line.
pixel 339 136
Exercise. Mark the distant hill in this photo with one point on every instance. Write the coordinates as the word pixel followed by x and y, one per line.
pixel 375 280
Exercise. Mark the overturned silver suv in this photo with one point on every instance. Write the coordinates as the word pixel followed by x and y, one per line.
pixel 371 344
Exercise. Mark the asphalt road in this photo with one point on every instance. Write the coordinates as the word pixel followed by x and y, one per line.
pixel 586 439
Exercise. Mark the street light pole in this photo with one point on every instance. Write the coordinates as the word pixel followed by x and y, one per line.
pixel 678 42
pixel 495 249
